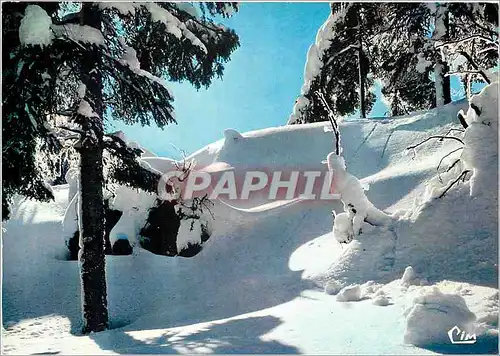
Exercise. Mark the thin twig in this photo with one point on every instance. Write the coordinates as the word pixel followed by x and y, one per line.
pixel 450 130
pixel 468 38
pixel 448 154
pixel 437 137
pixel 442 159
pixel 462 175
pixel 333 122
pixel 453 165
pixel 70 129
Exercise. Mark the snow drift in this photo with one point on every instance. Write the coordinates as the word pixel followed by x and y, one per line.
pixel 259 284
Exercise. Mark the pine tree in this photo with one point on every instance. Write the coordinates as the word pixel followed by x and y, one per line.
pixel 111 58
pixel 338 66
pixel 472 46
pixel 404 56
pixel 418 45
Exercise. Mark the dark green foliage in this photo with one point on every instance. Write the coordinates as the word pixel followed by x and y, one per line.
pixel 395 39
pixel 23 111
pixel 41 81
pixel 401 38
pixel 159 234
pixel 125 168
pixel 346 66
pixel 111 217
pixel 85 77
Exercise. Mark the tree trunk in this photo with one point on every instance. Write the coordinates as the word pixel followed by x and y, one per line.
pixel 362 105
pixel 92 258
pixel 441 33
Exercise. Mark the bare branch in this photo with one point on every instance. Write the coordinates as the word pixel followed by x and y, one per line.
pixel 466 39
pixel 333 122
pixel 435 137
pixel 448 154
pixel 462 175
pixel 461 118
pixel 70 129
pixel 348 48
pixel 453 165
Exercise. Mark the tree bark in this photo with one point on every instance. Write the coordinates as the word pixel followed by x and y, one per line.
pixel 92 258
pixel 442 81
pixel 362 104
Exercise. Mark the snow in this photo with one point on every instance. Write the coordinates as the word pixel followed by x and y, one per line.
pixel 481 141
pixel 79 33
pixel 408 275
pixel 82 88
pixel 124 8
pixel 129 58
pixel 357 207
pixel 188 8
pixel 422 63
pixel 173 25
pixel 314 63
pixel 332 288
pixel 189 233
pixel 432 314
pixel 86 110
pixel 35 27
pixel 231 135
pixel 349 294
pixel 135 204
pixel 269 282
pixel 381 299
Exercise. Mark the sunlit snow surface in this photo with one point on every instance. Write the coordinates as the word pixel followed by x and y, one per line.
pixel 259 284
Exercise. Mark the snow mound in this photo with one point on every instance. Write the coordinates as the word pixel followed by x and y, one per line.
pixel 368 258
pixel 350 293
pixel 433 314
pixel 332 288
pixel 231 135
pixel 265 272
pixel 408 276
pixel 35 27
pixel 380 299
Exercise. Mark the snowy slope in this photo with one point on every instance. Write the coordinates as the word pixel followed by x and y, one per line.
pixel 257 286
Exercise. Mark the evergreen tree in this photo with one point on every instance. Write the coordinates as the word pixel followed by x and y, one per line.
pixel 418 45
pixel 404 56
pixel 111 58
pixel 472 47
pixel 338 66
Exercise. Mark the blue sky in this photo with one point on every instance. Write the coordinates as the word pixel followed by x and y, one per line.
pixel 259 86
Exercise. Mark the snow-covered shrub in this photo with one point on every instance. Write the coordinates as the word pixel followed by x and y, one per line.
pixel 342 228
pixel 177 228
pixel 357 207
pixel 35 27
pixel 479 159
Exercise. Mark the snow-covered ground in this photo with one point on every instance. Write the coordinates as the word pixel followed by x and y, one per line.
pixel 278 281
